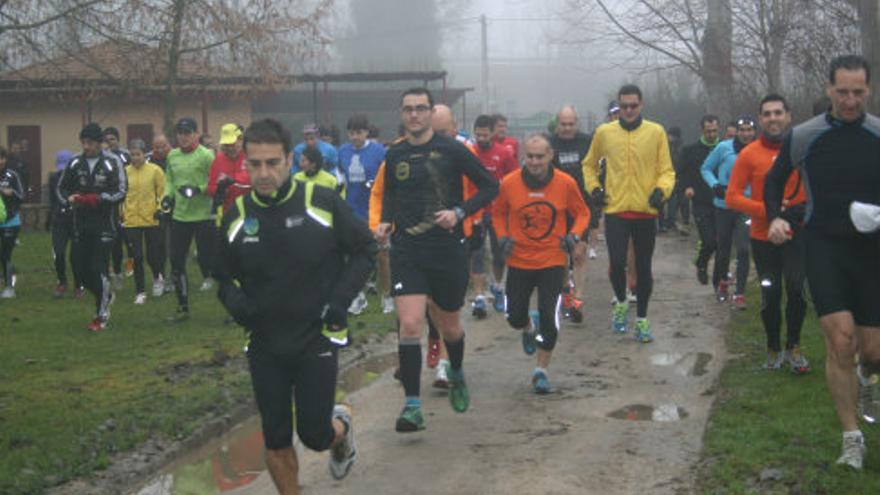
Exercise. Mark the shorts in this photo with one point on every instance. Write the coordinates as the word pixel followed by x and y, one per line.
pixel 844 275
pixel 439 271
pixel 312 376
pixel 478 255
pixel 520 285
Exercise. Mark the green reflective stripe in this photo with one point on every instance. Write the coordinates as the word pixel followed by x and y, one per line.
pixel 236 224
pixel 320 215
pixel 289 195
pixel 339 337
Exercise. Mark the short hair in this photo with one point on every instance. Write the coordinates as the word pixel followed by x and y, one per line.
pixel 483 121
pixel 111 131
pixel 358 122
pixel 497 117
pixel 629 89
pixel 674 131
pixel 418 91
pixel 268 131
pixel 137 144
pixel 314 155
pixel 770 98
pixel 707 119
pixel 539 137
pixel 849 62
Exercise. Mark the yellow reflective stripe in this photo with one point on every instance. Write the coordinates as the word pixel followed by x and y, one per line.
pixel 236 224
pixel 320 215
pixel 338 337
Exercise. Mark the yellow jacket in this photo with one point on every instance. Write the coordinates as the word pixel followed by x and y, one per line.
pixel 636 163
pixel 146 186
pixel 322 178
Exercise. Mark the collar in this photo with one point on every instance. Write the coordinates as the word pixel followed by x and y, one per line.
pixel 533 183
pixel 738 145
pixel 631 127
pixel 280 196
pixel 835 122
pixel 768 142
pixel 708 144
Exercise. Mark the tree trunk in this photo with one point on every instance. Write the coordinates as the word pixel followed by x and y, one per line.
pixel 717 73
pixel 869 26
pixel 170 96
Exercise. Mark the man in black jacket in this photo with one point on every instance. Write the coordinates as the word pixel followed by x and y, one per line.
pixel 293 256
pixel 60 223
pixel 696 189
pixel 93 184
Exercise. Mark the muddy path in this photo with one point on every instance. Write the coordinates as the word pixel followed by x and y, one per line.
pixel 623 418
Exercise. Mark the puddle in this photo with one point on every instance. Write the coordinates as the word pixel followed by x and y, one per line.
pixel 700 364
pixel 639 412
pixel 235 460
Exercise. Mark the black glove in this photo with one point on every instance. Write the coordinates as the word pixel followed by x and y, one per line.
pixel 335 316
pixel 794 214
pixel 238 305
pixel 167 204
pixel 656 199
pixel 597 197
pixel 477 238
pixel 720 190
pixel 568 242
pixel 188 191
pixel 505 245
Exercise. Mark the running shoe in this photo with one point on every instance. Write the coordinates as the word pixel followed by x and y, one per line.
pixel 528 334
pixel 179 316
pixel 739 302
pixel 567 301
pixel 358 305
pixel 97 324
pixel 722 292
pixel 433 356
pixel 479 307
pixel 618 317
pixel 458 392
pixel 387 305
pixel 643 331
pixel 158 286
pixel 540 382
pixel 410 419
pixel 702 275
pixel 774 361
pixel 8 293
pixel 631 296
pixel 853 452
pixel 797 361
pixel 576 312
pixel 868 406
pixel 592 254
pixel 140 299
pixel 60 289
pixel 78 293
pixel 207 284
pixel 441 379
pixel 343 454
pixel 498 299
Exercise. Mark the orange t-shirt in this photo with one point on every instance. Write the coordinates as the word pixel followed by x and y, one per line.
pixel 535 219
pixel 750 169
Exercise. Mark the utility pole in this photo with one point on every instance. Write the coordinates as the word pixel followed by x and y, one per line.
pixel 484 49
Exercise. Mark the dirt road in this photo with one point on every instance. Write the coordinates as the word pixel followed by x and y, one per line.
pixel 624 417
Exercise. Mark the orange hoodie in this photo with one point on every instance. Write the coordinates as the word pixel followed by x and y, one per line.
pixel 750 169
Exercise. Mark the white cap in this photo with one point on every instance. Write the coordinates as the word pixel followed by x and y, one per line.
pixel 865 216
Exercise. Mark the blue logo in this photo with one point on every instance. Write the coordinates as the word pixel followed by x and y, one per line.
pixel 251 226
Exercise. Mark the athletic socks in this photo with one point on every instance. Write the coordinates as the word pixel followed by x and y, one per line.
pixel 456 353
pixel 410 355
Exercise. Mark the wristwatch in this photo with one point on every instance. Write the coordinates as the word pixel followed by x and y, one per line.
pixel 459 213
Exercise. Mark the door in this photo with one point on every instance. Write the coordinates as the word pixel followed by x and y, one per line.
pixel 139 131
pixel 25 141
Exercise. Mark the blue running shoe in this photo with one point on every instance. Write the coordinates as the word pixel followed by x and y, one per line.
pixel 529 334
pixel 479 308
pixel 540 382
pixel 643 331
pixel 618 317
pixel 500 302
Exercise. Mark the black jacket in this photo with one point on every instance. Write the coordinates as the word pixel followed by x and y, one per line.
pixel 692 158
pixel 107 180
pixel 9 178
pixel 286 270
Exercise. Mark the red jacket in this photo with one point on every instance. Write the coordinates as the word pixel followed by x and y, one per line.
pixel 510 143
pixel 498 160
pixel 231 168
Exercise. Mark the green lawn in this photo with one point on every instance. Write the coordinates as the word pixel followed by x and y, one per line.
pixel 776 420
pixel 70 398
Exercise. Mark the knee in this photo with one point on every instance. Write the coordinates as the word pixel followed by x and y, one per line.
pixel 411 326
pixel 841 344
pixel 546 339
pixel 314 437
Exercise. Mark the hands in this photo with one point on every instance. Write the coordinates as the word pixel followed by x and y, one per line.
pixel 689 193
pixel 89 200
pixel 720 190
pixel 505 245
pixel 780 231
pixel 188 191
pixel 656 199
pixel 597 197
pixel 569 242
pixel 448 219
pixel 383 230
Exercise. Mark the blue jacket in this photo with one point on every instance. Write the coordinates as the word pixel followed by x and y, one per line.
pixel 358 167
pixel 718 166
pixel 328 151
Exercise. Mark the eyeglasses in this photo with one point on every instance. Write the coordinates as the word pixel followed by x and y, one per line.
pixel 417 109
pixel 629 106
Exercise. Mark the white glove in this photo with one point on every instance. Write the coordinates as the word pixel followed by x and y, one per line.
pixel 865 216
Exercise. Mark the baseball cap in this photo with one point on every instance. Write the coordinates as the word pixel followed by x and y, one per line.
pixel 187 124
pixel 310 129
pixel 229 134
pixel 613 107
pixel 92 131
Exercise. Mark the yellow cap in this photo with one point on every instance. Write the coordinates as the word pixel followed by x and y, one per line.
pixel 229 134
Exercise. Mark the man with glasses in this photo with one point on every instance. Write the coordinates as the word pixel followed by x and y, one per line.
pixel 423 204
pixel 837 153
pixel 638 179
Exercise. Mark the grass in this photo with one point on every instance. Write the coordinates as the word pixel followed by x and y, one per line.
pixel 69 398
pixel 776 420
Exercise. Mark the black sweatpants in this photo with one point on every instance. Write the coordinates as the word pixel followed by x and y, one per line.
pixel 704 217
pixel 136 237
pixel 732 232
pixel 116 250
pixel 520 284
pixel 643 232
pixel 182 234
pixel 8 235
pixel 62 235
pixel 91 255
pixel 775 264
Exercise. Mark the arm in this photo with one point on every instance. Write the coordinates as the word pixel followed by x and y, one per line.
pixel 17 187
pixel 376 193
pixel 500 212
pixel 740 178
pixel 577 208
pixel 590 164
pixel 213 176
pixel 709 169
pixel 665 172
pixel 169 179
pixel 487 186
pixel 387 210
pixel 159 186
pixel 227 270
pixel 66 183
pixel 774 182
pixel 117 190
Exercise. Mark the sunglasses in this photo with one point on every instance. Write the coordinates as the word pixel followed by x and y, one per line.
pixel 629 106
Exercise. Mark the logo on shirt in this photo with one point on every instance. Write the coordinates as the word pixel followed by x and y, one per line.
pixel 251 226
pixel 401 171
pixel 537 219
pixel 294 221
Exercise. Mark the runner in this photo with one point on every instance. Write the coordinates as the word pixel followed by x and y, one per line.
pixel 570 147
pixel 676 204
pixel 774 263
pixel 499 161
pixel 312 170
pixel 424 203
pixel 837 155
pixel 499 135
pixel 93 184
pixel 111 143
pixel 186 179
pixel 528 217
pixel 639 177
pixel 695 189
pixel 146 186
pixel 60 223
pixel 293 306
pixel 12 195
pixel 228 178
pixel 730 225
pixel 312 140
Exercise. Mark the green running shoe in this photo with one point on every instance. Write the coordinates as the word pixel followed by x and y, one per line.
pixel 458 392
pixel 643 331
pixel 618 317
pixel 410 420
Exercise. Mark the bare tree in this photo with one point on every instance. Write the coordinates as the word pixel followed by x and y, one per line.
pixel 869 28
